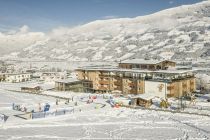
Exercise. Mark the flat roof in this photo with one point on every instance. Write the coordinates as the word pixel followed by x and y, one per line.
pixel 44 86
pixel 145 96
pixel 68 80
pixel 142 61
pixel 136 70
pixel 13 73
pixel 30 86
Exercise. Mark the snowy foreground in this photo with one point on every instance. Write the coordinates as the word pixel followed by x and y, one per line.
pixel 90 121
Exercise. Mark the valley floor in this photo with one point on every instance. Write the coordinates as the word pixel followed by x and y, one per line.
pixel 94 121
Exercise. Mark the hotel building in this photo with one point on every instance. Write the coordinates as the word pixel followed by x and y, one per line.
pixel 156 78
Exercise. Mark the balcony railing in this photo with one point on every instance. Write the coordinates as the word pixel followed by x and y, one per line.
pixel 118 83
pixel 103 74
pixel 105 82
pixel 192 83
pixel 170 87
pixel 184 85
pixel 133 91
pixel 170 95
pixel 103 88
pixel 118 88
pixel 132 84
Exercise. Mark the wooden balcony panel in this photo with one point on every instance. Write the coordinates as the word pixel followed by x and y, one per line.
pixel 184 85
pixel 118 83
pixel 170 95
pixel 192 83
pixel 132 84
pixel 105 82
pixel 118 88
pixel 170 87
pixel 133 91
pixel 103 74
pixel 103 88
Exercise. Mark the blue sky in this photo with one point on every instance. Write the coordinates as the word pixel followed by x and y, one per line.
pixel 44 15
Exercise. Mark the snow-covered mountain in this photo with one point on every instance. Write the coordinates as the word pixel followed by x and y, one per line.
pixel 176 33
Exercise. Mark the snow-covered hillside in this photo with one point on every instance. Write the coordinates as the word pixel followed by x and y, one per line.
pixel 181 32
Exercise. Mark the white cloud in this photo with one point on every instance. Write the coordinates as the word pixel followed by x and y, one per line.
pixel 24 29
pixel 19 38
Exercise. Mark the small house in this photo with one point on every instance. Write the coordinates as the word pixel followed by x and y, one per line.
pixel 144 100
pixel 31 89
pixel 16 77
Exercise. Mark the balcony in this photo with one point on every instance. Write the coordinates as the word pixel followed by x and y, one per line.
pixel 192 83
pixel 104 82
pixel 103 74
pixel 132 84
pixel 170 95
pixel 184 85
pixel 117 78
pixel 170 87
pixel 118 83
pixel 103 88
pixel 118 88
pixel 133 91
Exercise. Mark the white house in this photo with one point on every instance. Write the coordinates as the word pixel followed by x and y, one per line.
pixel 17 77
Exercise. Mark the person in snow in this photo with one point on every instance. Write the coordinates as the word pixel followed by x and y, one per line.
pixel 39 107
pixel 56 102
pixel 13 106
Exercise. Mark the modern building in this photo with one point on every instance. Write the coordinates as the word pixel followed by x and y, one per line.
pixel 73 85
pixel 156 80
pixel 147 64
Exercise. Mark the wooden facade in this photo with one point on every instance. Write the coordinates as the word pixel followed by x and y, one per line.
pixel 131 78
pixel 181 87
pixel 142 102
pixel 108 81
pixel 150 65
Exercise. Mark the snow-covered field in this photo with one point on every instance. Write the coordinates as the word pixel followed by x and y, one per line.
pixel 97 123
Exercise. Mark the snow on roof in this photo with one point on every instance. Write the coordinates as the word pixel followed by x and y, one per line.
pixel 68 80
pixel 136 70
pixel 44 86
pixel 13 73
pixel 183 67
pixel 145 96
pixel 173 71
pixel 47 86
pixel 142 61
pixel 31 85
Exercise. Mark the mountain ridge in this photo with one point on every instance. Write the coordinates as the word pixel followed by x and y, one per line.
pixel 176 33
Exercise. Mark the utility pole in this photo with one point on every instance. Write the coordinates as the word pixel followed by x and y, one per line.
pixel 165 90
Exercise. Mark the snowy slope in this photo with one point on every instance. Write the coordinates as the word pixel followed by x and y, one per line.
pixel 181 32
